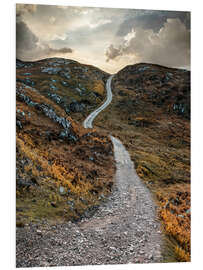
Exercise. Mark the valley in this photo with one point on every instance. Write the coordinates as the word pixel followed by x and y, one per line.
pixel 66 172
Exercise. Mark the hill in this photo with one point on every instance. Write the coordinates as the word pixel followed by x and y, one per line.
pixel 75 87
pixel 150 113
pixel 63 171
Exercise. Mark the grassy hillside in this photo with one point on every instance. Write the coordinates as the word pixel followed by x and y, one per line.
pixel 150 113
pixel 75 87
pixel 63 171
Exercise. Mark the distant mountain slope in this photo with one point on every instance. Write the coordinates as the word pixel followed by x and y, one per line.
pixel 62 169
pixel 150 113
pixel 75 87
pixel 166 88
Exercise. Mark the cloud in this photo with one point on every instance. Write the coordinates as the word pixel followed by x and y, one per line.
pixel 112 52
pixel 129 35
pixel 99 23
pixel 22 9
pixel 170 46
pixel 52 20
pixel 51 51
pixel 29 47
pixel 25 39
pixel 149 19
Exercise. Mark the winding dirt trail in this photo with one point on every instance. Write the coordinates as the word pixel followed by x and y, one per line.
pixel 88 121
pixel 124 229
pixel 128 221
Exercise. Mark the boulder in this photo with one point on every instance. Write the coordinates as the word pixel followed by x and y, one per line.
pixel 62 190
pixel 53 87
pixel 65 74
pixel 76 106
pixel 18 124
pixel 55 97
pixel 51 70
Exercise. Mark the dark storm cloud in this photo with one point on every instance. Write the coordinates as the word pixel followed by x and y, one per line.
pixel 170 46
pixel 25 39
pixel 112 52
pixel 151 20
pixel 28 44
pixel 22 9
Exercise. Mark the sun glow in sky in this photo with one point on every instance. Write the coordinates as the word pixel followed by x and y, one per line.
pixel 108 38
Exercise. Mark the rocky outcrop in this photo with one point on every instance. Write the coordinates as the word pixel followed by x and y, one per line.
pixel 66 82
pixel 49 112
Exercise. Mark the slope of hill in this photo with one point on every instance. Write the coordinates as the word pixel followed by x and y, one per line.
pixel 150 113
pixel 63 171
pixel 156 86
pixel 75 87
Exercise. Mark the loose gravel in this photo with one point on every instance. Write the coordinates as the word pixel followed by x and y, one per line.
pixel 124 230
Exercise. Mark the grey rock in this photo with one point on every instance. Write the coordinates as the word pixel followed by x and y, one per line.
pixel 18 124
pixel 26 81
pixel 181 216
pixel 39 232
pixel 58 61
pixel 49 112
pixel 27 74
pixel 62 190
pixel 51 70
pixel 76 106
pixel 53 80
pixel 79 91
pixel 24 183
pixel 71 205
pixel 65 74
pixel 141 69
pixel 53 87
pixel 64 83
pixel 131 249
pixel 19 64
pixel 55 97
pixel 166 206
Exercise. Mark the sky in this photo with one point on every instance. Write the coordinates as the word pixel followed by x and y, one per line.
pixel 108 38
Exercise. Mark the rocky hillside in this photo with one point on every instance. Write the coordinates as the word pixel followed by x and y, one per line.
pixel 63 171
pixel 165 88
pixel 150 113
pixel 75 87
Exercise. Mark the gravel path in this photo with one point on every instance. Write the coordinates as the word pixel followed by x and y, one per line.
pixel 88 121
pixel 124 230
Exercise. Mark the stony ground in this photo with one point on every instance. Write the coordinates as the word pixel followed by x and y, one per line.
pixel 125 229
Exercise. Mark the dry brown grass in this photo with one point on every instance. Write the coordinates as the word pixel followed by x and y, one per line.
pixel 44 166
pixel 159 145
pixel 99 87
